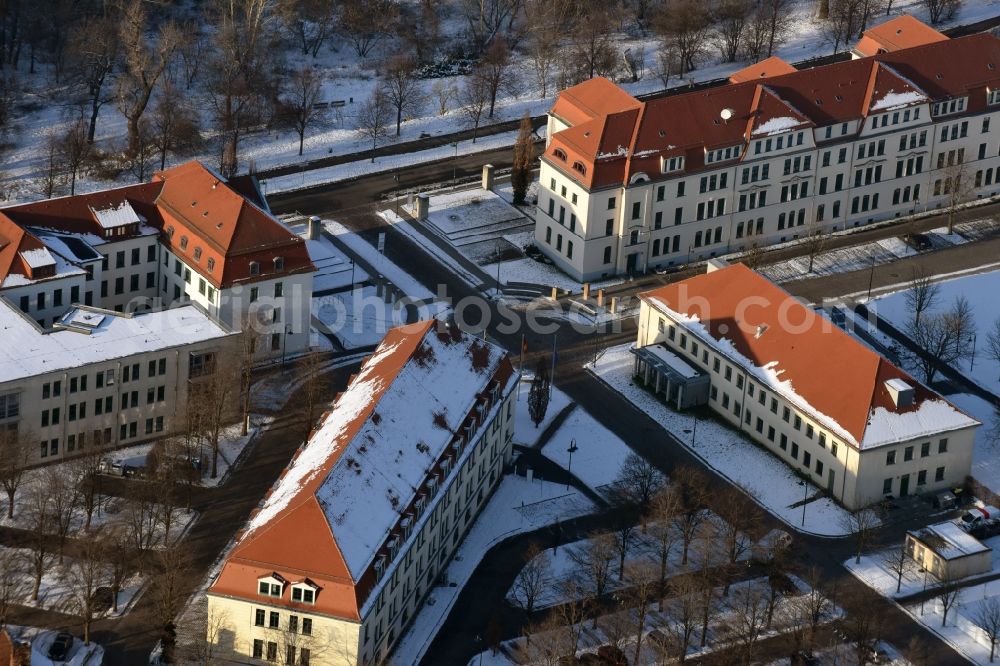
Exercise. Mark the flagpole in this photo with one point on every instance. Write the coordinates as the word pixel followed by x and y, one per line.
pixel 555 354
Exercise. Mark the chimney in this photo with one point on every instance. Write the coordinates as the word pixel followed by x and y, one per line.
pixel 315 228
pixel 423 206
pixel 487 182
pixel 900 392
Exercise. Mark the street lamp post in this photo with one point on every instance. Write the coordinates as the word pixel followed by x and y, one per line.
pixel 805 496
pixel 454 166
pixel 871 276
pixel 395 177
pixel 572 449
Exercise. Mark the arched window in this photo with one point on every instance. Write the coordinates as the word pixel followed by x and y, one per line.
pixel 560 153
pixel 578 166
pixel 184 242
pixel 279 264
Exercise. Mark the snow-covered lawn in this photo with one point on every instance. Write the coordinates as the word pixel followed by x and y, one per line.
pixel 768 480
pixel 658 626
pixel 471 213
pixel 429 246
pixel 986 456
pixel 525 431
pixel 961 631
pixel 334 269
pixel 396 275
pixel 560 564
pixel 855 257
pixel 517 506
pixel 528 270
pixel 361 318
pixel 981 291
pixel 599 452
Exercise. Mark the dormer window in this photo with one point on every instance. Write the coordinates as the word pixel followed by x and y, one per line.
pixel 184 242
pixel 560 153
pixel 304 592
pixel 279 264
pixel 668 164
pixel 271 586
pixel 993 97
pixel 211 264
pixel 578 166
pixel 197 254
pixel 254 268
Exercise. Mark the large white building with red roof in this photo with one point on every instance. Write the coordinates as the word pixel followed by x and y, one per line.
pixel 343 550
pixel 773 155
pixel 782 374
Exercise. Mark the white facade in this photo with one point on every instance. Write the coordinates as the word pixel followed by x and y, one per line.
pixel 786 186
pixel 105 380
pixel 804 440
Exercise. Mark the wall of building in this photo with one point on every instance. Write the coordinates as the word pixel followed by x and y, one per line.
pixel 675 200
pixel 942 569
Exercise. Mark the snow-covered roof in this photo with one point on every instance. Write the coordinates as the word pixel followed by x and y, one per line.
pixel 777 125
pixel 38 258
pixel 116 216
pixel 823 371
pixel 950 541
pixel 893 100
pixel 28 352
pixel 676 363
pixel 359 475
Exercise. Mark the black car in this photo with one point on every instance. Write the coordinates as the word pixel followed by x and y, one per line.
pixel 60 647
pixel 919 242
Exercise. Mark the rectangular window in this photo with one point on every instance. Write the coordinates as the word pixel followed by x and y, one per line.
pixel 922 477
pixel 943 446
pixel 274 620
pixel 259 617
pixel 636 210
pixel 939 474
pixel 258 648
pixel 890 458
pixel 908 453
pixel 887 486
pixel 925 449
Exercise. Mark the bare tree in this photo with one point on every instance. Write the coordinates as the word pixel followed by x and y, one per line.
pixel 956 186
pixel 303 89
pixel 84 473
pixel 213 398
pixel 63 501
pixel 117 544
pixel 246 349
pixel 94 48
pixel 739 517
pixel 685 25
pixel 402 88
pixel 173 124
pixel 644 590
pixel 987 618
pixel 366 22
pixel 943 337
pixel 899 562
pixel 546 642
pixel 862 523
pixel 494 70
pixel 941 11
pixel 623 536
pixel 593 561
pixel 174 566
pixel 543 19
pixel 38 522
pixel 15 454
pixel 309 23
pixel 533 578
pixel 11 583
pixel 139 517
pixel 145 60
pixel 310 369
pixel 683 608
pixel 74 149
pixel 948 596
pixel 664 506
pixel 592 51
pixel 487 20
pixel 444 93
pixel 473 99
pixel 863 627
pixel 373 118
pixel 85 573
pixel 690 484
pixel 191 52
pixel 143 155
pixel 732 17
pixel 638 480
pixel 748 618
pixel 922 294
pixel 573 611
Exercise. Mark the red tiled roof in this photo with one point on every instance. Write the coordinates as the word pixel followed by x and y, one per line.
pixel 592 99
pixel 13 241
pixel 902 32
pixel 796 345
pixel 689 124
pixel 298 531
pixel 196 203
pixel 773 66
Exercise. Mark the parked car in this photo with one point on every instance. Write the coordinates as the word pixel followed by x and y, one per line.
pixel 978 517
pixel 919 242
pixel 60 647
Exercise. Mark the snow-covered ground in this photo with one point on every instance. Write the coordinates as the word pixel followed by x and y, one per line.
pixel 768 480
pixel 560 564
pixel 525 431
pixel 855 257
pixel 875 572
pixel 361 318
pixel 980 289
pixel 334 269
pixel 396 275
pixel 517 506
pixel 432 248
pixel 78 654
pixel 599 453
pixel 961 631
